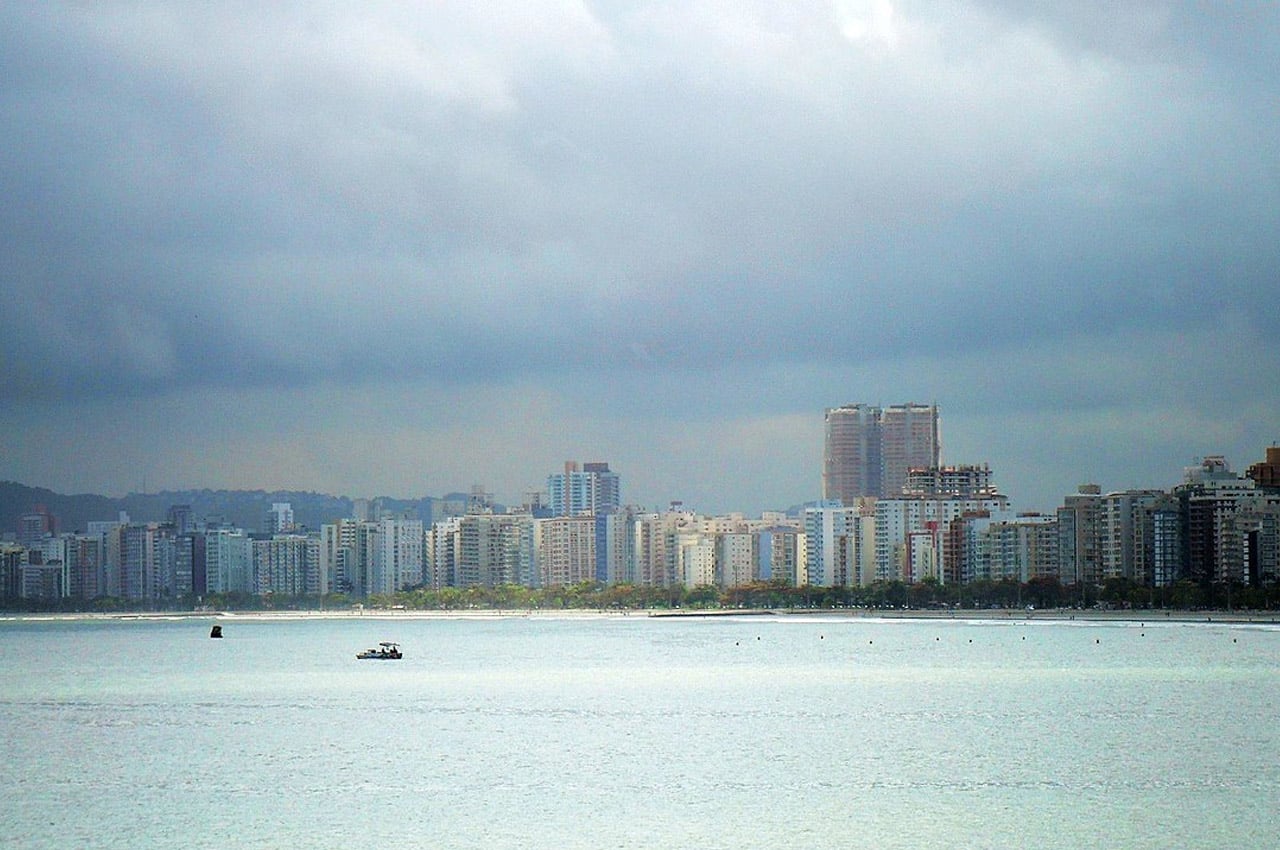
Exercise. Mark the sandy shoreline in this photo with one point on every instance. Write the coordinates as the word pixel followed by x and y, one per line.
pixel 983 615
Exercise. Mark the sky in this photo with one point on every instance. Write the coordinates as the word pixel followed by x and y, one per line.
pixel 402 249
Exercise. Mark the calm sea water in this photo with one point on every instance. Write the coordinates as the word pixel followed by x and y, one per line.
pixel 624 732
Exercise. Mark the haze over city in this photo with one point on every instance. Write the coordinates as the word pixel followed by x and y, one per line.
pixel 383 249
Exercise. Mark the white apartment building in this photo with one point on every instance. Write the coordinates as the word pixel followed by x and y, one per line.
pixel 695 558
pixel 340 568
pixel 656 553
pixel 737 558
pixel 397 555
pixel 442 545
pixel 840 544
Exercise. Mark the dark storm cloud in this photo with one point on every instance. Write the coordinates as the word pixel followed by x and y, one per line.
pixel 283 195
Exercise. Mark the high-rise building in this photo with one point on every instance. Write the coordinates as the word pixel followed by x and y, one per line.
pixel 655 550
pixel 1020 549
pixel 964 554
pixel 138 573
pixel 908 440
pixel 338 550
pixel 12 559
pixel 397 561
pixel 694 554
pixel 110 533
pixel 913 534
pixel 851 460
pixel 1267 472
pixel 1214 500
pixel 840 544
pixel 442 546
pixel 567 549
pixel 288 564
pixel 608 488
pixel 870 450
pixel 84 566
pixel 35 525
pixel 737 558
pixel 590 489
pixel 784 546
pixel 278 519
pixel 181 518
pixel 185 560
pixel 1080 537
pixel 1125 534
pixel 229 561
pixel 42 581
pixel 495 549
pixel 615 546
pixel 1163 541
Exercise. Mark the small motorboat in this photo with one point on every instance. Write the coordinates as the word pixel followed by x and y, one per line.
pixel 385 651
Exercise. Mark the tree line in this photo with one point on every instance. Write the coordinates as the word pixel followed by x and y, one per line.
pixel 1040 593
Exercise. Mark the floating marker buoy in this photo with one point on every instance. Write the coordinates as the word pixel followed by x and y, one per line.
pixel 215 632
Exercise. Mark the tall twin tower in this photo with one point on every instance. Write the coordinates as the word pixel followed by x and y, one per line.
pixel 869 449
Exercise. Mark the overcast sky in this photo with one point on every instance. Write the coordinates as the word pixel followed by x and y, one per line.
pixel 398 248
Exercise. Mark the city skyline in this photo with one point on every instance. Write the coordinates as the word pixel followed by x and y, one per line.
pixel 949 526
pixel 391 249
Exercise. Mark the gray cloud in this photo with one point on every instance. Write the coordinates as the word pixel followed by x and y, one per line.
pixel 662 206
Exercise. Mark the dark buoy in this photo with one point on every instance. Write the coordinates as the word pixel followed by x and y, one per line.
pixel 215 632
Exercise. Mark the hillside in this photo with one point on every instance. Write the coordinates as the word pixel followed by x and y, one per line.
pixel 243 508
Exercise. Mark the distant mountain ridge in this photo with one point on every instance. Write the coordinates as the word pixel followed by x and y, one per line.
pixel 243 508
